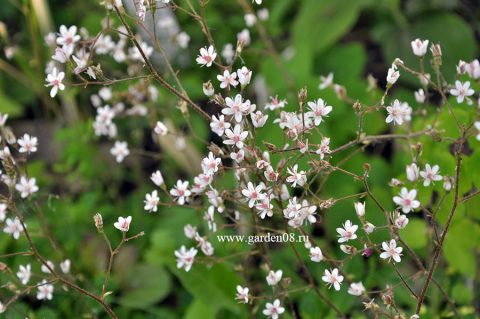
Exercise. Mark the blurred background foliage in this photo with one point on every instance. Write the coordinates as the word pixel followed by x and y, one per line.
pixel 78 177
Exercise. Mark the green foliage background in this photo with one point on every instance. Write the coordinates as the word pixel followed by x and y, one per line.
pixel 350 38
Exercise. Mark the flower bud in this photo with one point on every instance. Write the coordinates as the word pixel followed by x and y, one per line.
pixel 360 208
pixel 302 95
pixel 97 218
pixel 437 54
pixel 208 89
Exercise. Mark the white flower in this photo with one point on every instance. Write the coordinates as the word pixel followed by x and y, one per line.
pixel 3 119
pixel 27 144
pixel 244 37
pixel 332 278
pixel 430 174
pixel 183 39
pixel 210 164
pixel 185 258
pixel 68 37
pixel 207 56
pixel 272 310
pixel 65 266
pixel 62 54
pixel 258 1
pixel 356 289
pixel 181 192
pixel 135 55
pixel 123 224
pixel 24 273
pixel 391 251
pixel 54 80
pixel 235 137
pixel 316 254
pixel 250 19
pixel 228 53
pixel 236 107
pixel 258 119
pixel 13 227
pixel 242 294
pixel 189 231
pixel 275 103
pixel 401 221
pixel 26 186
pixel 244 76
pixel 45 290
pixel 120 151
pixel 160 129
pixel 420 96
pixel 274 277
pixel 412 172
pixel 157 178
pixel 462 90
pixel 324 147
pixel 419 47
pixel 318 110
pixel 2 308
pixel 347 232
pixel 296 177
pixel 360 208
pixel 393 74
pixel 46 269
pixel 265 208
pixel 227 79
pixel 151 201
pixel 3 211
pixel 253 193
pixel 369 228
pixel 477 126
pixel 395 113
pixel 238 156
pixel 219 125
pixel 263 14
pixel 326 81
pixel 407 200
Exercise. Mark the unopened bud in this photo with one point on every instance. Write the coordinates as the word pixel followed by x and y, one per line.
pixel 98 222
pixel 437 54
pixel 357 106
pixel 208 89
pixel 302 95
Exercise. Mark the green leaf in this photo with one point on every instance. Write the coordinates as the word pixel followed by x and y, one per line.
pixel 199 309
pixel 146 286
pixel 415 233
pixel 459 245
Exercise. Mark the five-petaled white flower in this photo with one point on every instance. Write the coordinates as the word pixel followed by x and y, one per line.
pixel 407 200
pixel 396 112
pixel 332 278
pixel 207 56
pixel 185 258
pixel 54 79
pixel 120 151
pixel 401 221
pixel 151 201
pixel 123 224
pixel 462 91
pixel 253 193
pixel 210 164
pixel 295 177
pixel 45 290
pixel 326 81
pixel 24 273
pixel 324 147
pixel 316 254
pixel 28 144
pixel 160 129
pixel 235 137
pixel 236 107
pixel 273 310
pixel 347 232
pixel 181 192
pixel 219 125
pixel 318 110
pixel 68 36
pixel 13 227
pixel 430 174
pixel 274 277
pixel 242 294
pixel 419 47
pixel 227 79
pixel 391 251
pixel 26 186
pixel 356 289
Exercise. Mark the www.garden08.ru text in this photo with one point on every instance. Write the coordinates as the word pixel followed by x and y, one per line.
pixel 268 238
